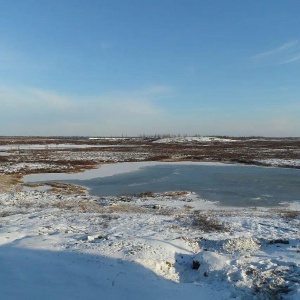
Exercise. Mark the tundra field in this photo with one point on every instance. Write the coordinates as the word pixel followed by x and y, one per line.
pixel 39 154
pixel 59 242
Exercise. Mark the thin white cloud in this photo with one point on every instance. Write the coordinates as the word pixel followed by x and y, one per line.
pixel 281 49
pixel 45 112
pixel 41 112
pixel 284 54
pixel 13 58
pixel 52 100
pixel 291 60
pixel 149 92
pixel 31 98
pixel 135 102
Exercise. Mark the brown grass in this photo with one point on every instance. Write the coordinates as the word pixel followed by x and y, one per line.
pixel 81 206
pixel 242 150
pixel 203 221
pixel 94 207
pixel 9 183
pixel 286 213
pixel 66 188
pixel 206 223
pixel 60 188
pixel 175 194
pixel 127 208
pixel 150 194
pixel 147 194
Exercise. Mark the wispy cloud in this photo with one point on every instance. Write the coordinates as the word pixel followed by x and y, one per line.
pixel 42 112
pixel 283 54
pixel 281 49
pixel 34 98
pixel 37 111
pixel 291 60
pixel 15 59
pixel 149 92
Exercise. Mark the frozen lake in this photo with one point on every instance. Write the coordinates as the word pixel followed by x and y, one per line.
pixel 230 185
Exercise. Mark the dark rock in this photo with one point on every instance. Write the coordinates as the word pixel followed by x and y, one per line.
pixel 279 241
pixel 196 265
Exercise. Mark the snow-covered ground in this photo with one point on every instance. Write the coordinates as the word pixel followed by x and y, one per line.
pixel 103 156
pixel 55 146
pixel 151 246
pixel 57 245
pixel 4 154
pixel 66 156
pixel 189 139
pixel 17 167
pixel 281 162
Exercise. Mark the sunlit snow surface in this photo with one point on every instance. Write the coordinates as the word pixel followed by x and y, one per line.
pixel 52 247
pixel 194 139
pixel 55 246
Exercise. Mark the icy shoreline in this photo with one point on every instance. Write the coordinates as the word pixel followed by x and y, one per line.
pixel 105 170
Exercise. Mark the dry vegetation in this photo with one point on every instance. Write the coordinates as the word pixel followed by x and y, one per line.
pixel 204 221
pixel 150 194
pixel 242 150
pixel 9 182
pixel 60 188
pixel 286 213
pixel 66 188
pixel 96 207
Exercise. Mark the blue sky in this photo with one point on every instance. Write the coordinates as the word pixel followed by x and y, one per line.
pixel 131 67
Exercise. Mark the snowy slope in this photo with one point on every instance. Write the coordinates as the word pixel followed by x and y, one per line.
pixel 77 247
